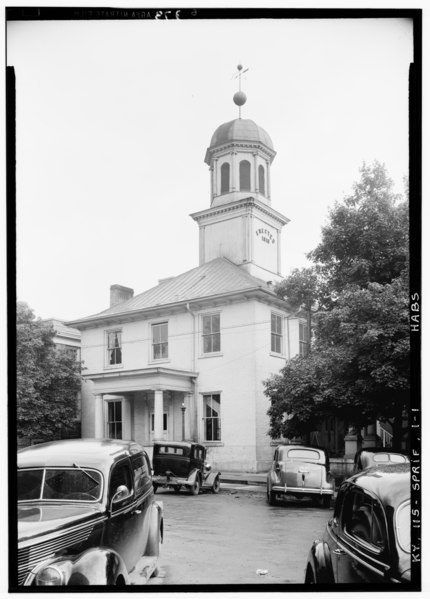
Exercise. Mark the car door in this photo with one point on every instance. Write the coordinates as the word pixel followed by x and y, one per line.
pixel 122 532
pixel 361 552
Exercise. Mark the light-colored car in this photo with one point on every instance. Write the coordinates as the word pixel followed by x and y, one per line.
pixel 375 456
pixel 301 472
pixel 86 514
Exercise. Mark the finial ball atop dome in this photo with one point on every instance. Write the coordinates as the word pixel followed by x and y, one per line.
pixel 239 98
pixel 239 67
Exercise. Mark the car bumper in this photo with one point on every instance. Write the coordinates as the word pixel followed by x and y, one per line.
pixel 301 490
pixel 170 481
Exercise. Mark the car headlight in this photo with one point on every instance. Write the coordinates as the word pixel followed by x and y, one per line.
pixel 54 575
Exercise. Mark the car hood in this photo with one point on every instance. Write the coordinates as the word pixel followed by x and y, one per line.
pixel 38 519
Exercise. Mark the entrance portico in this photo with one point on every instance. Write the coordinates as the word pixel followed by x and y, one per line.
pixel 145 405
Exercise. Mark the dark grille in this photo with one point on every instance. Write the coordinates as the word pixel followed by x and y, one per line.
pixel 28 557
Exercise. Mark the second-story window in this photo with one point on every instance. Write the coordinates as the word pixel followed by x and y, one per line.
pixel 114 348
pixel 211 333
pixel 160 345
pixel 303 339
pixel 276 334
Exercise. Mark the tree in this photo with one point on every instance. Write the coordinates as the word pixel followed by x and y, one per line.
pixel 47 380
pixel 358 366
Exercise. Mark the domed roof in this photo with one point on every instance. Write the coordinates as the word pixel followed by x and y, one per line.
pixel 240 130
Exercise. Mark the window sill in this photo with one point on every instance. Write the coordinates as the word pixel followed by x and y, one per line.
pixel 160 361
pixel 213 443
pixel 276 355
pixel 215 354
pixel 113 366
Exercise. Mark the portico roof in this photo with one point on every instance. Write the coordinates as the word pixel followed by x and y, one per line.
pixel 216 278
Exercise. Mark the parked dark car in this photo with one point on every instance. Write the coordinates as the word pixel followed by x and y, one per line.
pixel 373 456
pixel 368 539
pixel 302 472
pixel 181 464
pixel 86 514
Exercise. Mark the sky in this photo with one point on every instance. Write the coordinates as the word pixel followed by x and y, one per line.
pixel 114 118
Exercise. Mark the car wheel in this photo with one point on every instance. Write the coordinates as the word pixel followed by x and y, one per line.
pixel 195 489
pixel 271 498
pixel 216 486
pixel 326 501
pixel 310 576
pixel 155 487
pixel 177 488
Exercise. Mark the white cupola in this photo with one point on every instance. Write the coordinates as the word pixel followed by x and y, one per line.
pixel 240 224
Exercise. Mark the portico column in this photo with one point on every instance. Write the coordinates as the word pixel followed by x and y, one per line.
pixel 370 438
pixel 99 418
pixel 126 419
pixel 158 415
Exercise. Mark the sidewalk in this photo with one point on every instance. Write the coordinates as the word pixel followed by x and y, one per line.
pixel 244 478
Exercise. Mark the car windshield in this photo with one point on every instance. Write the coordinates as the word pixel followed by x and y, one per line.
pixel 301 454
pixel 403 526
pixel 66 484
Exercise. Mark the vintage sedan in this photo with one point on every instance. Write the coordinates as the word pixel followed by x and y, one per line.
pixel 368 539
pixel 86 514
pixel 301 472
pixel 181 464
pixel 373 456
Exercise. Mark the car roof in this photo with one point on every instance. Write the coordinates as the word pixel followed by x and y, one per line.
pixel 289 446
pixel 380 450
pixel 176 444
pixel 96 453
pixel 390 482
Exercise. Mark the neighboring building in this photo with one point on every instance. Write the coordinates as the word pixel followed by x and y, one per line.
pixel 68 339
pixel 199 345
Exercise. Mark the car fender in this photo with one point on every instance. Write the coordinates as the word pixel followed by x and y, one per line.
pixel 210 478
pixel 156 530
pixel 95 566
pixel 319 560
pixel 192 476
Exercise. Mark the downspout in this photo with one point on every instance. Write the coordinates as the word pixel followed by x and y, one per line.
pixel 195 423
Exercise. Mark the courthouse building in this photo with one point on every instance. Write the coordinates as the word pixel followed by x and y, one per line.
pixel 188 357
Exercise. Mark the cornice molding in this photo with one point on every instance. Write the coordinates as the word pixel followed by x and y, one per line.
pixel 249 204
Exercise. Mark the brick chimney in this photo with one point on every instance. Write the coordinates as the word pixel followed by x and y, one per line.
pixel 119 294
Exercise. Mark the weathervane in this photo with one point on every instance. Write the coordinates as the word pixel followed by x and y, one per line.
pixel 239 97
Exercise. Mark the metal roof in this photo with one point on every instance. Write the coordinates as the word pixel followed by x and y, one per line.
pixel 217 277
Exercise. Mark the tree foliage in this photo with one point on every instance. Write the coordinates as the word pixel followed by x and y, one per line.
pixel 47 380
pixel 358 366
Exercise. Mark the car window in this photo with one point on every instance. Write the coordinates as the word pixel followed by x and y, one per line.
pixel 171 450
pixel 398 458
pixel 121 475
pixel 140 473
pixel 29 484
pixel 363 519
pixel 381 457
pixel 403 526
pixel 71 484
pixel 304 454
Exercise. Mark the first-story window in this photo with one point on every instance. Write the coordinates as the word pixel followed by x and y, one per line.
pixel 160 346
pixel 114 419
pixel 114 348
pixel 303 339
pixel 212 416
pixel 276 333
pixel 211 333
